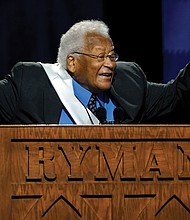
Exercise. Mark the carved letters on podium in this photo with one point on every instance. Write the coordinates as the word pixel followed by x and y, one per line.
pixel 109 163
pixel 111 173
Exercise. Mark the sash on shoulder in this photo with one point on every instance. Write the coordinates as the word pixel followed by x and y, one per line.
pixel 62 83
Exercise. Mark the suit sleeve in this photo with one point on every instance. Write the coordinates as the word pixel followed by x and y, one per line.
pixel 170 102
pixel 9 93
pixel 149 102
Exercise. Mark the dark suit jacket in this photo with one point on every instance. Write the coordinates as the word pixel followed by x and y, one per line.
pixel 27 96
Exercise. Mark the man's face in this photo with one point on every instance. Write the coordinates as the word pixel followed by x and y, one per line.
pixel 91 73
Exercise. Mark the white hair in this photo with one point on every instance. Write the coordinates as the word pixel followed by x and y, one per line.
pixel 74 39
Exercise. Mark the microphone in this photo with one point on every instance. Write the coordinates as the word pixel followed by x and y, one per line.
pixel 101 115
pixel 118 115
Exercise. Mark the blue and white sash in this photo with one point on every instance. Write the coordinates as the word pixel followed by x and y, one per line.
pixel 62 83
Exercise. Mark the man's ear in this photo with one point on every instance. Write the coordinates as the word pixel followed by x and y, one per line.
pixel 71 63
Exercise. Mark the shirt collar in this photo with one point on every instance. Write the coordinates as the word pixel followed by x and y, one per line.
pixel 81 93
pixel 84 95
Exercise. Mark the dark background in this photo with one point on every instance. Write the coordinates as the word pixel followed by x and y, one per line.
pixel 31 30
pixel 136 29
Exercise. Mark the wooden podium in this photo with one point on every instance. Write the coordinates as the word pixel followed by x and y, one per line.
pixel 108 172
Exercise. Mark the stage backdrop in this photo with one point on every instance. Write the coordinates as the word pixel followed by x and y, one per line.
pixel 31 29
pixel 155 35
pixel 176 36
